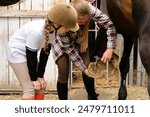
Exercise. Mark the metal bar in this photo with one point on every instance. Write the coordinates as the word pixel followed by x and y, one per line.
pixel 139 65
pixel 70 74
pixel 22 13
pixel 143 76
pixel 107 73
pixel 130 78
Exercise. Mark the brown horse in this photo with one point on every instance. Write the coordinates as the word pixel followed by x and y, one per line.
pixel 8 2
pixel 132 20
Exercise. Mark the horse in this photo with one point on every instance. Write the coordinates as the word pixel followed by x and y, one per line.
pixel 8 2
pixel 132 21
pixel 91 41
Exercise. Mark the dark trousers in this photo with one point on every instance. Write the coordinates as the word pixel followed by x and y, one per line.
pixel 63 72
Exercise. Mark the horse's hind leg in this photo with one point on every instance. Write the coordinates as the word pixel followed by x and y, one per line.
pixel 124 66
pixel 144 47
pixel 147 68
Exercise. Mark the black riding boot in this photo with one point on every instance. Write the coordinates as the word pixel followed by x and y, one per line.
pixel 62 90
pixel 90 88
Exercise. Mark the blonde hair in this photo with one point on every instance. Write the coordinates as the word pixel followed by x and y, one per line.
pixel 83 9
pixel 47 30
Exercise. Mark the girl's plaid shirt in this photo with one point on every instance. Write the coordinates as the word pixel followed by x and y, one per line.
pixel 69 42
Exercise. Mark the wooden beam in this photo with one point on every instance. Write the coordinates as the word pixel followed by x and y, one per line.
pixel 19 91
pixel 22 13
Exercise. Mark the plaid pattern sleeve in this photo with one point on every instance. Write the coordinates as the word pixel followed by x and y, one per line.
pixel 66 44
pixel 104 20
pixel 75 58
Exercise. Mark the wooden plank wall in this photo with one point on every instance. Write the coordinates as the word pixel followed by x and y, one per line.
pixel 11 19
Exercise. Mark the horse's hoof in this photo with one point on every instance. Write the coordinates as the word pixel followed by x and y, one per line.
pixel 93 97
pixel 122 95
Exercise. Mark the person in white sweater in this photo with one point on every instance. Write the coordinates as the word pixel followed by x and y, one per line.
pixel 24 45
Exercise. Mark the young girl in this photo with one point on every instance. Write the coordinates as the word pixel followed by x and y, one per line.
pixel 67 45
pixel 87 12
pixel 23 46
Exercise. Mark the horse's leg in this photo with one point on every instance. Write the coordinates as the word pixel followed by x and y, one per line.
pixel 124 66
pixel 100 44
pixel 8 2
pixel 144 47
